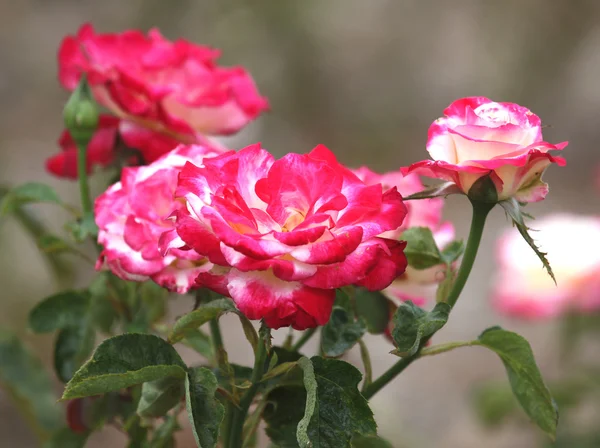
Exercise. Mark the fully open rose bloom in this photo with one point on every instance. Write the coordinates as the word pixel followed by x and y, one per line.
pixel 132 214
pixel 102 148
pixel 173 87
pixel 524 289
pixel 477 137
pixel 285 233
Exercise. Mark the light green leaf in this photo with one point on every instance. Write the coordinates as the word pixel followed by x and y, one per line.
pixel 513 209
pixel 204 313
pixel 159 396
pixel 123 361
pixel 413 324
pixel 28 193
pixel 59 311
pixel 163 435
pixel 341 332
pixel 200 342
pixel 421 249
pixel 453 251
pixel 374 308
pixel 204 410
pixel 25 380
pixel 524 377
pixel 83 228
pixel 335 410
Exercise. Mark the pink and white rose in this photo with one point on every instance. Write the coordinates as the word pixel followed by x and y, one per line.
pixel 132 215
pixel 479 137
pixel 283 234
pixel 524 289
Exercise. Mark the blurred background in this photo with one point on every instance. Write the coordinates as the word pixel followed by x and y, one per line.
pixel 366 78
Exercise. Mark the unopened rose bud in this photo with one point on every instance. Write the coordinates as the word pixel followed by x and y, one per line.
pixel 81 113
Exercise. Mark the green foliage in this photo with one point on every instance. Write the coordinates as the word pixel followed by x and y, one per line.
pixel 83 228
pixel 513 209
pixel 441 190
pixel 413 325
pixel 163 435
pixel 524 376
pixel 123 361
pixel 159 396
pixel 374 308
pixel 341 332
pixel 421 249
pixel 370 442
pixel 23 377
pixel 204 410
pixel 335 410
pixel 453 251
pixel 204 313
pixel 200 342
pixel 32 192
pixel 73 346
pixel 65 438
pixel 285 408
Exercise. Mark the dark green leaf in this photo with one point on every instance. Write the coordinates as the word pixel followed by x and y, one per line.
pixel 147 305
pixel 73 346
pixel 59 311
pixel 445 189
pixel 370 442
pixel 123 361
pixel 335 410
pixel 65 438
pixel 374 308
pixel 484 190
pixel 412 325
pixel 204 410
pixel 24 379
pixel 285 408
pixel 453 251
pixel 513 209
pixel 341 333
pixel 524 376
pixel 137 432
pixel 102 310
pixel 198 317
pixel 421 249
pixel 159 396
pixel 28 193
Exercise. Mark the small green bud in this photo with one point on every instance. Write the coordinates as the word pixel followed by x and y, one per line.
pixel 81 113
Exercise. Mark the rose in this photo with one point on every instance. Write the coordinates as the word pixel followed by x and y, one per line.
pixel 102 150
pixel 132 214
pixel 172 87
pixel 478 137
pixel 285 233
pixel 524 289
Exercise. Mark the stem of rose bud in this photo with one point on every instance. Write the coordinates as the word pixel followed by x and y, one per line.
pixel 239 415
pixel 84 187
pixel 480 212
pixel 304 339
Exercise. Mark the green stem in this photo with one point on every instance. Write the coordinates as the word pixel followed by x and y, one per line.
pixel 84 188
pixel 366 359
pixel 239 415
pixel 443 348
pixel 480 212
pixel 303 339
pixel 219 349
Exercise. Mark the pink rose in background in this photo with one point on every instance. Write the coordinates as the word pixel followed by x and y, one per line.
pixel 477 137
pixel 419 286
pixel 132 214
pixel 172 87
pixel 285 233
pixel 524 289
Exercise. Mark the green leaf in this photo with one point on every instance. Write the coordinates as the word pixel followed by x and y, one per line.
pixel 147 305
pixel 412 325
pixel 494 403
pixel 28 193
pixel 341 332
pixel 374 308
pixel 445 189
pixel 335 410
pixel 204 410
pixel 59 311
pixel 65 438
pixel 102 311
pixel 524 376
pixel 370 442
pixel 53 244
pixel 421 249
pixel 453 251
pixel 83 228
pixel 123 361
pixel 443 290
pixel 159 396
pixel 198 317
pixel 73 346
pixel 513 209
pixel 163 435
pixel 285 408
pixel 25 380
pixel 484 190
pixel 200 342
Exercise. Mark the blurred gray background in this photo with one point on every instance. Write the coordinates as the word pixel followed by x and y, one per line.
pixel 366 78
